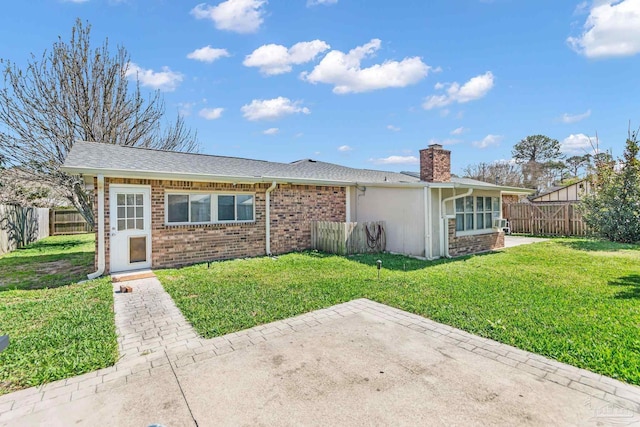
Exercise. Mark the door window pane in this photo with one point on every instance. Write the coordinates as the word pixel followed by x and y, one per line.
pixel 200 208
pixel 245 208
pixel 120 198
pixel 226 208
pixel 139 224
pixel 177 208
pixel 131 199
pixel 122 224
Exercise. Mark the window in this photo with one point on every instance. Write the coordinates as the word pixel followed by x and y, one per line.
pixel 204 208
pixel 130 214
pixel 476 213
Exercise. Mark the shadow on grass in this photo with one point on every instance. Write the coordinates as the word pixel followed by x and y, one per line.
pixel 596 245
pixel 631 284
pixel 406 263
pixel 49 263
pixel 52 245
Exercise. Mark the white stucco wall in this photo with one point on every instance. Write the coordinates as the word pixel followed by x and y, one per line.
pixel 403 211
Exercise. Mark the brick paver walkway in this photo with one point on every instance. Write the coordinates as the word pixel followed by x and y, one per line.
pixel 153 333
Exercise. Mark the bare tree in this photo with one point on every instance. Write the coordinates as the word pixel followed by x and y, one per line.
pixel 501 173
pixel 75 92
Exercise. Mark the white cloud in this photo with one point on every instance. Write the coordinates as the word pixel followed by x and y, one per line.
pixel 577 144
pixel 165 80
pixel 275 59
pixel 271 131
pixel 458 131
pixel 184 108
pixel 611 29
pixel 344 72
pixel 240 16
pixel 393 128
pixel 323 2
pixel 488 141
pixel 211 113
pixel 449 141
pixel 344 148
pixel 476 88
pixel 208 54
pixel 272 109
pixel 397 160
pixel 574 118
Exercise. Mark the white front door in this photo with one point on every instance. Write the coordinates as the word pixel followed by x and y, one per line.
pixel 130 222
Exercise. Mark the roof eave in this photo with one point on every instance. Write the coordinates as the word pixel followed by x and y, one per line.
pixel 160 175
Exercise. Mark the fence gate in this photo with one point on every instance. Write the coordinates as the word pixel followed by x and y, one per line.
pixel 554 219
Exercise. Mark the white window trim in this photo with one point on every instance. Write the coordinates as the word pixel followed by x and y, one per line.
pixel 476 232
pixel 214 206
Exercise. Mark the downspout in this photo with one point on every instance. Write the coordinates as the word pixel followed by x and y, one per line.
pixel 268 217
pixel 445 219
pixel 428 247
pixel 348 205
pixel 101 257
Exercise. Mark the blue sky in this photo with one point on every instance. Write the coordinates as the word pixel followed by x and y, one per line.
pixel 368 83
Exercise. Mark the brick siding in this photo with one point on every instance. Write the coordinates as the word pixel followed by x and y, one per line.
pixel 435 164
pixel 293 207
pixel 465 245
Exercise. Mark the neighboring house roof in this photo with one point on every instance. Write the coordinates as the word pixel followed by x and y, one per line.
pixel 91 158
pixel 566 193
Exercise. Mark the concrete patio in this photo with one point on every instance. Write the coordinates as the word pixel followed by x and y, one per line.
pixel 352 364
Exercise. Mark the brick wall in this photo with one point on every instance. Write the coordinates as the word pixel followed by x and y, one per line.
pixel 465 245
pixel 293 207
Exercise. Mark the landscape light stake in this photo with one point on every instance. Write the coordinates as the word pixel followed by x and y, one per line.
pixel 379 264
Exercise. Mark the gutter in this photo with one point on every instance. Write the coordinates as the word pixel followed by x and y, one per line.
pixel 268 218
pixel 445 221
pixel 101 255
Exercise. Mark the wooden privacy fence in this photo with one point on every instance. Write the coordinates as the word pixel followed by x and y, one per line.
pixel 20 226
pixel 553 219
pixel 68 221
pixel 346 238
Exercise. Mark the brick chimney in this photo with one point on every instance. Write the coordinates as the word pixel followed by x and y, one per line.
pixel 435 164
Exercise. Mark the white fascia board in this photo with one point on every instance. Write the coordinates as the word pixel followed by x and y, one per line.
pixel 125 173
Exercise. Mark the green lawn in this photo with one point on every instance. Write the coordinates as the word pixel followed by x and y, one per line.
pixel 59 332
pixel 577 301
pixel 51 262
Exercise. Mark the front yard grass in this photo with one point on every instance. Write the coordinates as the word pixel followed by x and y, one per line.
pixel 50 262
pixel 55 331
pixel 576 301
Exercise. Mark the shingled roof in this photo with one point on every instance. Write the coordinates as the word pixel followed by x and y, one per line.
pixel 92 158
pixel 87 157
